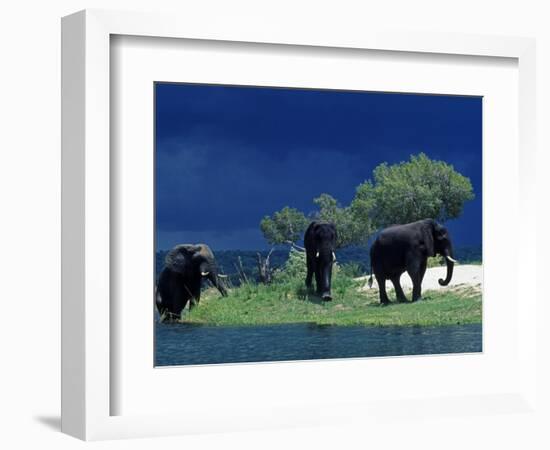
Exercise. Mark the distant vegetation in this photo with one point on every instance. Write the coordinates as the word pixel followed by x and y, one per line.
pixel 356 257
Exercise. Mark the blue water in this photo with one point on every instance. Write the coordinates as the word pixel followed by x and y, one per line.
pixel 182 344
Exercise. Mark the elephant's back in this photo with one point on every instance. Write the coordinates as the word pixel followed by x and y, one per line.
pixel 392 245
pixel 398 235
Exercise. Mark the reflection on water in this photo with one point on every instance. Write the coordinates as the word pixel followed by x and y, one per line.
pixel 180 344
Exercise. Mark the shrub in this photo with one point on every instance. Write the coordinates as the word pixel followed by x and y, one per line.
pixel 351 270
pixel 436 261
pixel 294 267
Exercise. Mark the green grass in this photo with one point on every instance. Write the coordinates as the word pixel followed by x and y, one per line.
pixel 288 302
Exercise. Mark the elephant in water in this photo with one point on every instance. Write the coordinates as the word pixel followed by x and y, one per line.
pixel 180 281
pixel 320 242
pixel 401 248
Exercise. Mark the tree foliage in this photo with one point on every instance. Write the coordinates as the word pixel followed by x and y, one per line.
pixel 400 193
pixel 413 190
pixel 350 230
pixel 284 226
pixel 294 267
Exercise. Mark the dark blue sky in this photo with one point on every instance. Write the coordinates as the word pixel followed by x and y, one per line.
pixel 227 156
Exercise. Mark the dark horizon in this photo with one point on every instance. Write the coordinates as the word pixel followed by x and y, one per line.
pixel 226 156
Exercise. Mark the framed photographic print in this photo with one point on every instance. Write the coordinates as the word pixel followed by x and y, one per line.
pixel 283 209
pixel 249 182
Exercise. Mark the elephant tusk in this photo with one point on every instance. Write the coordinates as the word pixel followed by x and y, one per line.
pixel 317 255
pixel 333 256
pixel 204 274
pixel 222 276
pixel 451 259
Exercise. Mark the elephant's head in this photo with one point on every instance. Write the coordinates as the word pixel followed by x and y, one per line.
pixel 207 267
pixel 194 261
pixel 441 245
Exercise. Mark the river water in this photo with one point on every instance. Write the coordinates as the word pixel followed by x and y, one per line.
pixel 183 344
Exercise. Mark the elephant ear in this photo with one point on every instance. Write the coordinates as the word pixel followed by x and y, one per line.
pixel 440 232
pixel 333 233
pixel 179 258
pixel 428 231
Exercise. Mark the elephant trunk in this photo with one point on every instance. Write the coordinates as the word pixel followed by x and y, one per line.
pixel 326 295
pixel 219 285
pixel 450 266
pixel 326 259
pixel 210 272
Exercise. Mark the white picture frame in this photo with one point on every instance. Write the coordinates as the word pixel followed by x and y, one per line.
pixel 86 240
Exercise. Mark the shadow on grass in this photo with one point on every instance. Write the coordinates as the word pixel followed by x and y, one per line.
pixel 395 303
pixel 308 296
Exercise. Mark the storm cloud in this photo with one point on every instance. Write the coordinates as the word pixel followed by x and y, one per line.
pixel 227 156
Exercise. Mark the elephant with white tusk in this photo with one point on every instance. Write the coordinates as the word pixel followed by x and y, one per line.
pixel 320 242
pixel 401 248
pixel 185 266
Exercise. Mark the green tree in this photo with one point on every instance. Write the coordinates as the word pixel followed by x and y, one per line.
pixel 284 227
pixel 351 229
pixel 409 191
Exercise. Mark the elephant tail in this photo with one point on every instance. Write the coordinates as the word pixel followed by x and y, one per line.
pixel 370 277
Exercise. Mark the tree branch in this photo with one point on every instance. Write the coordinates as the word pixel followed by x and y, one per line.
pixel 295 246
pixel 264 270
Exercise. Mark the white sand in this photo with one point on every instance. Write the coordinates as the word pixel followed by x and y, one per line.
pixel 463 276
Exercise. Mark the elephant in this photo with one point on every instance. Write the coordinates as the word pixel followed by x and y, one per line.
pixel 320 243
pixel 401 248
pixel 185 266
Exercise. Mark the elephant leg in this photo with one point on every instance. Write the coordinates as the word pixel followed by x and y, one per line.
pixel 421 274
pixel 399 294
pixel 169 296
pixel 318 279
pixel 382 290
pixel 310 271
pixel 195 299
pixel 184 299
pixel 193 290
pixel 417 291
pixel 158 301
pixel 416 270
pixel 180 298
